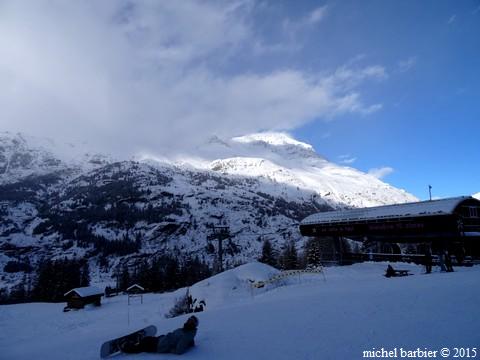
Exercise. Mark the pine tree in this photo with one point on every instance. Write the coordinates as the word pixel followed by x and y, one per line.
pixel 85 275
pixel 289 259
pixel 18 293
pixel 171 274
pixel 55 278
pixel 268 255
pixel 293 260
pixel 44 281
pixel 4 296
pixel 124 281
pixel 157 278
pixel 313 254
pixel 143 275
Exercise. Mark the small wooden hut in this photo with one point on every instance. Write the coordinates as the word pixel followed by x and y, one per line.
pixel 79 297
pixel 135 289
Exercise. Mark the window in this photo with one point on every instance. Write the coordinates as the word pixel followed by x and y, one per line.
pixel 470 211
pixel 474 211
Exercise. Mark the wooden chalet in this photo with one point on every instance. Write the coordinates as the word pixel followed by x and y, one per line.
pixel 79 297
pixel 135 289
pixel 443 224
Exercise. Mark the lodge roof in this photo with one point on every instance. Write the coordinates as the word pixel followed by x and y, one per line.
pixel 86 291
pixel 414 209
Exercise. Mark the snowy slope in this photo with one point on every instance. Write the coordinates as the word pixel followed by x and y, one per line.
pixel 355 309
pixel 476 196
pixel 233 286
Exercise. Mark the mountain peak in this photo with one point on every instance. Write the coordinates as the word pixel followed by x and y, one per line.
pixel 23 155
pixel 215 140
pixel 273 138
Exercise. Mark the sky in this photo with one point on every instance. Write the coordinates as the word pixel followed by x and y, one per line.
pixel 391 88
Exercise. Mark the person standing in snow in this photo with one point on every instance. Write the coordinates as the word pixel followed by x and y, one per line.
pixel 441 261
pixel 428 259
pixel 176 342
pixel 448 262
pixel 460 254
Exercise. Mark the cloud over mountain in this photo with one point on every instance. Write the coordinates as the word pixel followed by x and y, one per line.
pixel 154 75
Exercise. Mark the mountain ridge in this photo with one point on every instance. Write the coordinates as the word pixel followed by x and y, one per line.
pixel 54 207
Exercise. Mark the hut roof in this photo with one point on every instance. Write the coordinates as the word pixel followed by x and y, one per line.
pixel 86 291
pixel 414 209
pixel 135 286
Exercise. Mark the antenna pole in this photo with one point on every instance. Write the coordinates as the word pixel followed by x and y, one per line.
pixel 430 191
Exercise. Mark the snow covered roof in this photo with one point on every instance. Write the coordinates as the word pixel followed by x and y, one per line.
pixel 135 286
pixel 421 208
pixel 86 291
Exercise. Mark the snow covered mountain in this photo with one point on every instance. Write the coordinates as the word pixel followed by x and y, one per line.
pixel 278 158
pixel 22 156
pixel 60 200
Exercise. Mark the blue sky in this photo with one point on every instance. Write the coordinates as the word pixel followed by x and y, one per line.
pixel 428 128
pixel 388 87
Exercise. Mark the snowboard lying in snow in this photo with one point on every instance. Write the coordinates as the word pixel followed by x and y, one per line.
pixel 113 346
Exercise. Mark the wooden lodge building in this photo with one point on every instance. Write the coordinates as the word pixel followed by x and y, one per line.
pixel 451 225
pixel 79 297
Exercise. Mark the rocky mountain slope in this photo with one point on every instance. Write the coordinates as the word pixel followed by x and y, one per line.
pixel 59 200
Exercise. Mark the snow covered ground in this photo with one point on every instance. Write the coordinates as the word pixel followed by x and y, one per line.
pixel 305 317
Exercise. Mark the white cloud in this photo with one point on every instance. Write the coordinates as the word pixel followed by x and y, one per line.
pixel 407 64
pixel 317 15
pixel 148 75
pixel 347 159
pixel 259 47
pixel 348 78
pixel 294 26
pixel 326 135
pixel 356 59
pixel 380 173
pixel 452 19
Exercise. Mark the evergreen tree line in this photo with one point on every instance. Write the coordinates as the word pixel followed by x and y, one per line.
pixel 105 247
pixel 14 266
pixel 125 214
pixel 164 273
pixel 52 279
pixel 288 258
